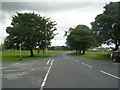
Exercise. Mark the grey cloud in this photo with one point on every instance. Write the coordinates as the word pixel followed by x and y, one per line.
pixel 45 6
pixel 12 7
pixel 0 11
pixel 53 9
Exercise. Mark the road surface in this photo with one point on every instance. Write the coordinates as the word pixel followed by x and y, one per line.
pixel 61 70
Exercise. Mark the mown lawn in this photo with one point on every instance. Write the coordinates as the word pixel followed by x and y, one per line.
pixel 8 56
pixel 95 55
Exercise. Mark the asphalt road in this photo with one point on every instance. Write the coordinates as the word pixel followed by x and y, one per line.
pixel 25 74
pixel 77 72
pixel 61 71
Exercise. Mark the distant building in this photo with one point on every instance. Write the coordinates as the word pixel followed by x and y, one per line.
pixel 108 49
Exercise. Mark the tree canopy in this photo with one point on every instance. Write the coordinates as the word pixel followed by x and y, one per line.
pixel 80 38
pixel 107 25
pixel 30 30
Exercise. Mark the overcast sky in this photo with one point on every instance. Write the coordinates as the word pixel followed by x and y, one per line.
pixel 66 13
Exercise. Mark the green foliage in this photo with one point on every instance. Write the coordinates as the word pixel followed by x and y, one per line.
pixel 59 48
pixel 31 30
pixel 80 38
pixel 107 25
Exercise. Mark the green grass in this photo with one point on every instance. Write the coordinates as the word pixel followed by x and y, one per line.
pixel 8 56
pixel 95 55
pixel 0 56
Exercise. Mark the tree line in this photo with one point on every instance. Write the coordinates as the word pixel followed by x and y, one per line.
pixel 33 30
pixel 105 30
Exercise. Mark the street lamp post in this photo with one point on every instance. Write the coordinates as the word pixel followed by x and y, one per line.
pixel 55 42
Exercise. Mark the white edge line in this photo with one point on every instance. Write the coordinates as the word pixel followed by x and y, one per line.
pixel 48 62
pixel 45 78
pixel 109 74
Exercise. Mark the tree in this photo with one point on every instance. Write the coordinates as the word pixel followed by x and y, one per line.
pixel 80 38
pixel 107 25
pixel 30 30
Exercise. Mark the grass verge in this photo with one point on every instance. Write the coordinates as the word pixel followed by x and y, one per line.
pixel 95 55
pixel 8 56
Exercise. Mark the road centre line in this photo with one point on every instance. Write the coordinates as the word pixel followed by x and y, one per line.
pixel 45 78
pixel 48 62
pixel 87 65
pixel 76 60
pixel 109 74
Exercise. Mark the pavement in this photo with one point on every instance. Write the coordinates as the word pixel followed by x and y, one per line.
pixel 61 70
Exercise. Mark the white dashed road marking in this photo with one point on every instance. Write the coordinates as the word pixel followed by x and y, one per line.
pixel 76 60
pixel 33 69
pixel 109 74
pixel 87 65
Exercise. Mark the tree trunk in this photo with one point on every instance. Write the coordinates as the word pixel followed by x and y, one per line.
pixel 76 51
pixel 116 46
pixel 83 51
pixel 31 52
pixel 79 51
pixel 38 50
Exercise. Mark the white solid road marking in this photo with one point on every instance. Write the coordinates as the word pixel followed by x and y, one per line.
pixel 44 80
pixel 87 65
pixel 109 74
pixel 48 62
